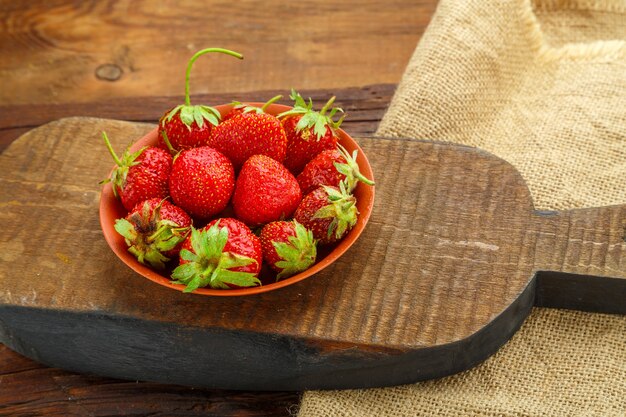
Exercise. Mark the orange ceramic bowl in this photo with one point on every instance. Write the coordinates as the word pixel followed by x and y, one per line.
pixel 112 209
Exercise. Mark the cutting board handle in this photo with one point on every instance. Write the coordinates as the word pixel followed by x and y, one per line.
pixel 580 259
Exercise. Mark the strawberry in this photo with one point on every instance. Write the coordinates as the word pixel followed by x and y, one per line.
pixel 288 247
pixel 308 132
pixel 188 126
pixel 224 254
pixel 330 167
pixel 140 175
pixel 154 230
pixel 247 134
pixel 239 108
pixel 202 181
pixel 329 212
pixel 185 135
pixel 265 191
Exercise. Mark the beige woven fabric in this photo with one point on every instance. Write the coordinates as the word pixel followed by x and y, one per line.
pixel 560 363
pixel 542 85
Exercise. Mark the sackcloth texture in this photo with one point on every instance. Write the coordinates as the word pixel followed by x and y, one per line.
pixel 541 84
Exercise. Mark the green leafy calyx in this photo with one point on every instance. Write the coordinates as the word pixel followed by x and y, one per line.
pixel 208 264
pixel 119 174
pixel 310 119
pixel 298 254
pixel 148 236
pixel 341 209
pixel 351 169
pixel 190 114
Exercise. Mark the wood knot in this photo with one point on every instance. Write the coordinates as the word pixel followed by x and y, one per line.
pixel 109 72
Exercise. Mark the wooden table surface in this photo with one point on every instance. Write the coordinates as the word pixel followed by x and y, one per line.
pixel 126 60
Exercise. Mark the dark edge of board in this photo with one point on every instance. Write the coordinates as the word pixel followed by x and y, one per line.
pixel 580 292
pixel 128 348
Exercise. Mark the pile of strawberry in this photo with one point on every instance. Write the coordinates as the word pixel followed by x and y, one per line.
pixel 260 189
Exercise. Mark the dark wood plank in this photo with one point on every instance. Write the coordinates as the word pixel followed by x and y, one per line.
pixel 364 106
pixel 578 292
pixel 31 389
pixel 437 282
pixel 9 135
pixel 64 52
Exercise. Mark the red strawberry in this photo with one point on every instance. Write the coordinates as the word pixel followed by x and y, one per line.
pixel 248 134
pixel 288 248
pixel 330 167
pixel 265 191
pixel 308 132
pixel 329 212
pixel 188 126
pixel 154 230
pixel 139 176
pixel 239 108
pixel 186 136
pixel 224 254
pixel 202 181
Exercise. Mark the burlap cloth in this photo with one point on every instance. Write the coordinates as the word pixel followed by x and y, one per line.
pixel 542 85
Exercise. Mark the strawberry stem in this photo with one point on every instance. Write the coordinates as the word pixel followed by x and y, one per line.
pixel 196 56
pixel 168 143
pixel 328 104
pixel 271 101
pixel 110 148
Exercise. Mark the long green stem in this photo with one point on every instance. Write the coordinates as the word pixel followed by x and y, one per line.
pixel 327 105
pixel 168 143
pixel 110 148
pixel 196 56
pixel 270 101
pixel 364 179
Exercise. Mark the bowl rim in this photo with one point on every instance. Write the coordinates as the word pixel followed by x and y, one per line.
pixel 113 239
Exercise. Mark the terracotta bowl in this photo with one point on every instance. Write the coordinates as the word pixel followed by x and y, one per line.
pixel 112 209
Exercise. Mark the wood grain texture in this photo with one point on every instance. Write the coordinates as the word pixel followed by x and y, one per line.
pixel 30 389
pixel 64 52
pixel 437 282
pixel 364 107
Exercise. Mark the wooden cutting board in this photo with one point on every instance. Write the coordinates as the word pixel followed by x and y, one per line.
pixel 451 262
